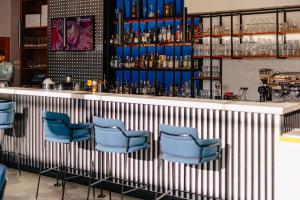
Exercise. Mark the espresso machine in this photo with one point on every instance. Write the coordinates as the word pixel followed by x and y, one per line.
pixel 264 90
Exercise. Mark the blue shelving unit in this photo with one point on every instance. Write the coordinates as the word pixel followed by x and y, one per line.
pixel 165 77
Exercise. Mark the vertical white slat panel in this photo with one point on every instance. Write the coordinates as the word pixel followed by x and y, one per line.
pixel 277 132
pixel 211 173
pixel 205 165
pixel 182 166
pixel 177 166
pixel 217 170
pixel 194 167
pixel 167 174
pixel 132 125
pixel 229 155
pixel 255 157
pixel 150 180
pixel 262 157
pixel 235 155
pixel 199 182
pixel 242 147
pixel 156 153
pixel 249 160
pixel 269 153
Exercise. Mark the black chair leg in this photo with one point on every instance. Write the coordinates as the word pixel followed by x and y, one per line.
pixel 101 195
pixel 123 180
pixel 65 172
pixel 88 194
pixel 17 151
pixel 40 171
pixel 39 180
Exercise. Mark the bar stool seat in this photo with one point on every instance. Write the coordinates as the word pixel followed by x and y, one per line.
pixel 7 121
pixel 111 137
pixel 57 128
pixel 182 145
pixel 3 178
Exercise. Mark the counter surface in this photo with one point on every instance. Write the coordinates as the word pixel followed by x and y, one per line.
pixel 240 106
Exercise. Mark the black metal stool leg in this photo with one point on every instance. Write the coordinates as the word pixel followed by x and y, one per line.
pixel 158 175
pixel 123 180
pixel 58 184
pixel 17 151
pixel 65 172
pixel 40 170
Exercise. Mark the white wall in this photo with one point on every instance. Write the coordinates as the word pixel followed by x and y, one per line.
pixel 195 6
pixel 5 16
pixel 9 17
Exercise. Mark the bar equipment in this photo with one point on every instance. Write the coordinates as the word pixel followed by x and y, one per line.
pixel 265 92
pixel 285 86
pixel 48 84
pixel 68 83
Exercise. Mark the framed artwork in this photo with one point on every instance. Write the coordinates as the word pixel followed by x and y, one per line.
pixel 57 34
pixel 80 33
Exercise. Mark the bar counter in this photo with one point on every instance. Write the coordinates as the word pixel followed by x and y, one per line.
pixel 249 132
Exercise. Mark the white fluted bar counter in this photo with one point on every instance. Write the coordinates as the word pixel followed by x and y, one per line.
pixel 249 133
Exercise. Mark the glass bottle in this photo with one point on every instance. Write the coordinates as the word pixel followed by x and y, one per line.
pixel 133 10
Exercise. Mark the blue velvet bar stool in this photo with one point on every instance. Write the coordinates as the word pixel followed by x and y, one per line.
pixel 182 145
pixel 58 129
pixel 3 178
pixel 112 137
pixel 7 121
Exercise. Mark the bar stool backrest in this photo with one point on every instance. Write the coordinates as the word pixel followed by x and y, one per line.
pixel 56 125
pixel 2 180
pixel 7 114
pixel 109 133
pixel 181 144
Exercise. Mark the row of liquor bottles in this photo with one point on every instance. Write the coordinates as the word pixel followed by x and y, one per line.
pixel 165 34
pixel 139 10
pixel 152 61
pixel 155 89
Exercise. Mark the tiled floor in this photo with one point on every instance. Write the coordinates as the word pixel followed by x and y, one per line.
pixel 24 188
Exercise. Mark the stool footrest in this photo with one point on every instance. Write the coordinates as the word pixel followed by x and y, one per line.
pixel 164 194
pixel 100 181
pixel 134 189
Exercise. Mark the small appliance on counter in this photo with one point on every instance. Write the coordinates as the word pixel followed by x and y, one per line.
pixel 68 83
pixel 48 84
pixel 264 90
pixel 6 74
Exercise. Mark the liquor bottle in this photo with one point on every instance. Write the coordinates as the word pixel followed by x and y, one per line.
pixel 169 35
pixel 164 35
pixel 133 10
pixel 144 88
pixel 127 62
pixel 160 36
pixel 154 36
pixel 148 88
pixel 189 65
pixel 143 38
pixel 153 89
pixel 120 62
pixel 112 39
pixel 171 90
pixel 116 60
pixel 170 62
pixel 132 62
pixel 136 37
pixel 176 63
pixel 151 60
pixel 181 63
pixel 178 34
pixel 164 63
pixel 112 62
pixel 185 62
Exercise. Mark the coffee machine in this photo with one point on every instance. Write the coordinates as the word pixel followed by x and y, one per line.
pixel 264 90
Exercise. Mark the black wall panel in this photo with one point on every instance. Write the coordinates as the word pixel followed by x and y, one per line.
pixel 80 65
